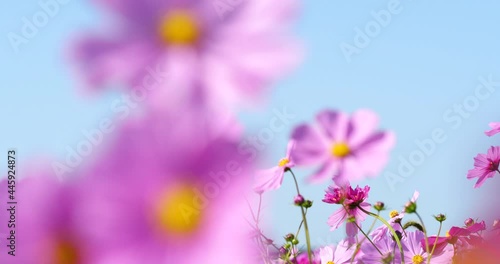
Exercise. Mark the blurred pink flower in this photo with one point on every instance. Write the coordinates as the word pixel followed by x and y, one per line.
pixel 184 48
pixel 162 195
pixel 272 178
pixel 47 226
pixel 347 148
pixel 461 237
pixel 485 166
pixel 495 129
pixel 350 199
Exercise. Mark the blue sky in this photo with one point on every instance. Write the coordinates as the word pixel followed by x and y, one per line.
pixel 415 72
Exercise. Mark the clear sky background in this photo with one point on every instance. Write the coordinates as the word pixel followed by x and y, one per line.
pixel 413 72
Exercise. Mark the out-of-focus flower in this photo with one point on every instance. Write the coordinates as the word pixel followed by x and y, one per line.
pixel 415 253
pixel 485 166
pixel 183 47
pixel 388 248
pixel 458 236
pixel 156 199
pixel 272 178
pixel 338 254
pixel 350 199
pixel 47 228
pixel 346 148
pixel 495 129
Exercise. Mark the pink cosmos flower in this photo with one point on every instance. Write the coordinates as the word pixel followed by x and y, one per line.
pixel 161 198
pixel 495 129
pixel 347 148
pixel 182 48
pixel 485 166
pixel 272 178
pixel 350 199
pixel 414 251
pixel 388 248
pixel 338 254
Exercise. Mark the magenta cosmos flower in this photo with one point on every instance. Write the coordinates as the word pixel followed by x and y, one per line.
pixel 461 237
pixel 341 253
pixel 485 166
pixel 495 129
pixel 178 48
pixel 347 148
pixel 272 178
pixel 154 198
pixel 350 199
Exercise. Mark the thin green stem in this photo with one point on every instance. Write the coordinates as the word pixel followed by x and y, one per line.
pixel 358 245
pixel 393 232
pixel 435 243
pixel 366 236
pixel 425 233
pixel 304 218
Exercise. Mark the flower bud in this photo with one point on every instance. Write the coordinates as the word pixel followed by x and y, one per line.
pixel 289 237
pixel 287 246
pixel 298 200
pixel 440 217
pixel 295 241
pixel 307 204
pixel 410 207
pixel 468 222
pixel 379 206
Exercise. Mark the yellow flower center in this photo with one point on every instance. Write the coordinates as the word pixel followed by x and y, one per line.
pixel 447 233
pixel 179 28
pixel 393 213
pixel 65 253
pixel 330 262
pixel 176 212
pixel 283 162
pixel 340 150
pixel 417 259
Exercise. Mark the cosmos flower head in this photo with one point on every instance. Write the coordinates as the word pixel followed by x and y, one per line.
pixel 172 50
pixel 485 166
pixel 351 200
pixel 346 148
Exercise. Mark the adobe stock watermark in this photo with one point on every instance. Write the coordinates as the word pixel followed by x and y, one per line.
pixel 372 29
pixel 454 117
pixel 120 107
pixel 225 7
pixel 31 25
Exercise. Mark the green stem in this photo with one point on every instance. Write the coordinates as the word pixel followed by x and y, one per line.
pixel 425 234
pixel 304 218
pixel 435 243
pixel 396 237
pixel 358 245
pixel 366 236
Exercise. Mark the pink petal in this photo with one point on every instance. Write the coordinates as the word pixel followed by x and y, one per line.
pixel 495 129
pixel 363 124
pixel 337 218
pixel 334 124
pixel 269 179
pixel 310 146
pixel 327 171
